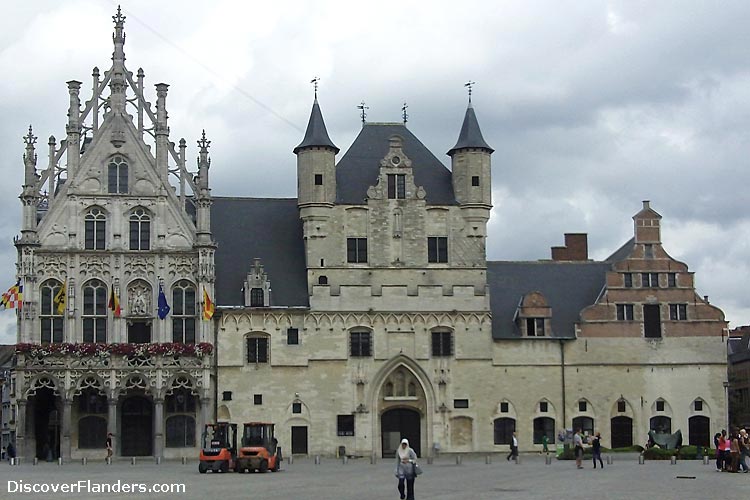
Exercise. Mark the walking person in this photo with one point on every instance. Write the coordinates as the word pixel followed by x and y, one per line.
pixel 406 459
pixel 744 443
pixel 513 448
pixel 578 448
pixel 545 444
pixel 726 443
pixel 10 452
pixel 108 445
pixel 734 453
pixel 597 449
pixel 717 447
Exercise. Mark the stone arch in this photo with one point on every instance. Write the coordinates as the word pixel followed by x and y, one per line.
pixel 510 413
pixel 133 383
pixel 88 381
pixel 615 412
pixel 223 414
pixel 45 381
pixel 179 381
pixel 705 410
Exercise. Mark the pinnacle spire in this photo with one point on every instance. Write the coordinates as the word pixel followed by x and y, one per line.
pixel 470 135
pixel 118 37
pixel 316 134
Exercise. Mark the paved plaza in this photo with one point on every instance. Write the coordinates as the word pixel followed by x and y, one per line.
pixel 360 480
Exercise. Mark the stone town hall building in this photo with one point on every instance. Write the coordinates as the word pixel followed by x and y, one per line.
pixel 362 310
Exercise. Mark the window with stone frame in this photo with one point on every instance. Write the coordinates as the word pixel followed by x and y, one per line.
pixel 180 407
pixel 117 175
pixel 50 319
pixel 257 297
pixel 678 312
pixel 535 327
pixel 344 425
pixel 672 280
pixel 92 432
pixel 503 429
pixel 396 186
pixel 650 280
pixel 94 315
pixel 442 343
pixel 257 349
pixel 140 230
pixel 437 249
pixel 586 424
pixel 544 426
pixel 628 280
pixel 95 229
pixel 356 250
pixel 624 312
pixel 360 344
pixel 183 312
pixel 292 336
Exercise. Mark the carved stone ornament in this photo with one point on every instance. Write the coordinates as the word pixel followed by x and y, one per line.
pixel 139 299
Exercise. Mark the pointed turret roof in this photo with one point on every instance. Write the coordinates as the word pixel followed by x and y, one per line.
pixel 316 133
pixel 470 135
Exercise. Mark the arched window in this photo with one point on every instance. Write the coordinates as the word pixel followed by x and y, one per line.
pixel 544 426
pixel 621 431
pixel 91 401
pixel 95 311
pixel 117 175
pixel 140 230
pixel 180 401
pixel 699 431
pixel 661 424
pixel 256 297
pixel 504 428
pixel 183 312
pixel 92 432
pixel 257 349
pixel 360 346
pixel 95 223
pixel 180 431
pixel 50 318
pixel 586 424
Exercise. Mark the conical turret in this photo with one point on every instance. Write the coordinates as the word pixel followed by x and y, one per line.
pixel 316 171
pixel 470 135
pixel 316 134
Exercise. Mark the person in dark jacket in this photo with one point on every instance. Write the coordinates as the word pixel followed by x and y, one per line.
pixel 596 448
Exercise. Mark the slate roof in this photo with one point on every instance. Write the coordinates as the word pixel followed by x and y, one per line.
pixel 316 133
pixel 6 355
pixel 269 228
pixel 470 135
pixel 568 287
pixel 358 169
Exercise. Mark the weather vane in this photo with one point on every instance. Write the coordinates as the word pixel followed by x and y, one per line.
pixel 362 109
pixel 119 18
pixel 469 85
pixel 404 114
pixel 315 81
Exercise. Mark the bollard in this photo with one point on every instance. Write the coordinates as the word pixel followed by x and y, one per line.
pixel 706 460
pixel 610 459
pixel 184 460
pixel 83 461
pixel 158 460
pixel 290 460
pixel 132 460
pixel 429 460
pixel 59 461
pixel 641 460
pixel 12 461
pixel 459 459
pixel 373 458
pixel 488 459
pixel 673 460
pixel 317 459
pixel 518 459
pixel 548 460
pixel 36 461
pixel 344 460
pixel 108 460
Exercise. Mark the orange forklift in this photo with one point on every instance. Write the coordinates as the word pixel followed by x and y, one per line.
pixel 259 448
pixel 219 450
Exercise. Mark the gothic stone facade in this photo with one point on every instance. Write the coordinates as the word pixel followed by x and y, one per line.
pixel 361 311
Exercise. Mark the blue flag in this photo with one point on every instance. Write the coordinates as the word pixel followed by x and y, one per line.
pixel 163 306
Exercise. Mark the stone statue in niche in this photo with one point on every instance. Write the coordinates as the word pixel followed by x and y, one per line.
pixel 139 295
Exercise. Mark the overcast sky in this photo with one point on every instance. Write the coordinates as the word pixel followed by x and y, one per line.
pixel 591 107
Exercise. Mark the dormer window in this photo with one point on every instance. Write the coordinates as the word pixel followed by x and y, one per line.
pixel 117 175
pixel 396 186
pixel 257 289
pixel 256 297
pixel 535 327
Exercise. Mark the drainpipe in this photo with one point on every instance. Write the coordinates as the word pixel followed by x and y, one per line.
pixel 562 378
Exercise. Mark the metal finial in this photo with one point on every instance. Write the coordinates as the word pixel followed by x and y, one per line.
pixel 119 18
pixel 315 81
pixel 404 114
pixel 362 109
pixel 29 139
pixel 203 143
pixel 469 85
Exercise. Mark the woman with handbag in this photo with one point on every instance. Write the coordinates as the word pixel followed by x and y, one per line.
pixel 406 469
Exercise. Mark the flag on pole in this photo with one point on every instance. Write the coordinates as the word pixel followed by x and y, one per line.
pixel 61 298
pixel 13 298
pixel 208 306
pixel 114 302
pixel 163 305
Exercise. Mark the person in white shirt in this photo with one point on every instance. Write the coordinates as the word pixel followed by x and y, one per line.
pixel 513 448
pixel 578 446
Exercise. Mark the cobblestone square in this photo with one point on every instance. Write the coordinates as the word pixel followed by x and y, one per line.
pixel 358 479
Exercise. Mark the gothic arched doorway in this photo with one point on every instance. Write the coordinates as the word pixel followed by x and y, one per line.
pixel 46 412
pixel 136 433
pixel 399 423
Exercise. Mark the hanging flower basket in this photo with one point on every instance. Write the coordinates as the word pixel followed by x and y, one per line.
pixel 87 349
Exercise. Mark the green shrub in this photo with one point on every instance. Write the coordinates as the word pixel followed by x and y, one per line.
pixel 656 453
pixel 627 449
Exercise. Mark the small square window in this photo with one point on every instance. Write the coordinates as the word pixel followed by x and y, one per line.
pixel 624 312
pixel 292 336
pixel 344 425
pixel 660 406
pixel 437 249
pixel 296 407
pixel 318 179
pixel 226 396
pixel 672 280
pixel 356 250
pixel 460 403
pixel 628 280
pixel 621 406
pixel 698 405
pixel 543 407
pixel 474 180
pixel 678 312
pixel 582 406
pixel 257 399
pixel 503 407
pixel 648 250
pixel 442 344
